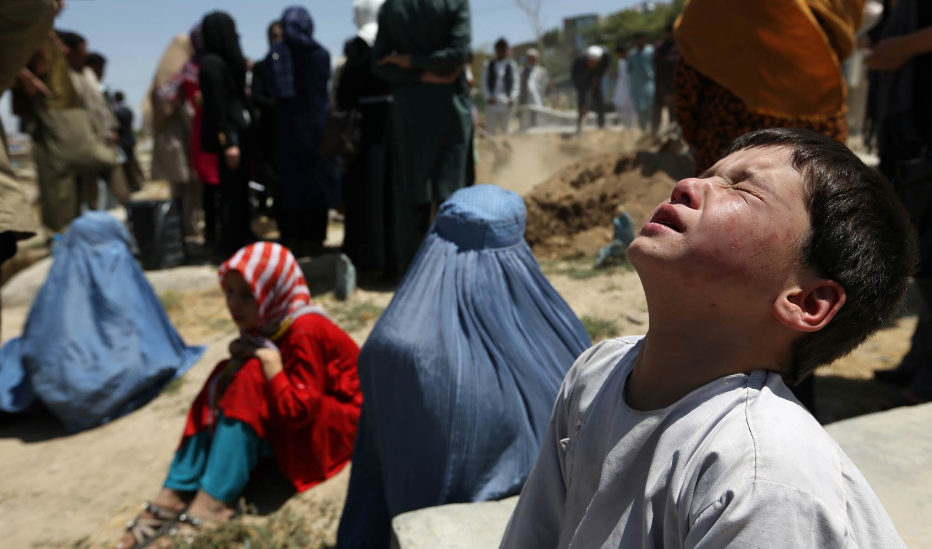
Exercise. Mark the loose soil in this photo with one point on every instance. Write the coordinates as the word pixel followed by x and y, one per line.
pixel 570 215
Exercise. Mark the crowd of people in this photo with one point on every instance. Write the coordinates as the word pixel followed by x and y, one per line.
pixel 82 149
pixel 643 87
pixel 220 121
pixel 784 253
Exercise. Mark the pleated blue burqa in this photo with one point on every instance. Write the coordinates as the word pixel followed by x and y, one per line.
pixel 97 344
pixel 460 374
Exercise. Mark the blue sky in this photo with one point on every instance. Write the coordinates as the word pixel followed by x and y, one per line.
pixel 133 34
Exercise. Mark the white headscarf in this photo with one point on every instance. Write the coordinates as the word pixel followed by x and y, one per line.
pixel 366 17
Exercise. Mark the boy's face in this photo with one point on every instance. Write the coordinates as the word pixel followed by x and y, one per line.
pixel 731 237
pixel 501 53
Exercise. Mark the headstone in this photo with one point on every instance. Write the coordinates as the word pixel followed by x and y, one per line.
pixel 894 452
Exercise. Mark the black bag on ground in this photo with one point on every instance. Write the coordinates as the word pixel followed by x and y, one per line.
pixel 156 227
pixel 341 134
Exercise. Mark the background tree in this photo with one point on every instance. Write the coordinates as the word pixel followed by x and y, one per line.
pixel 619 28
pixel 532 10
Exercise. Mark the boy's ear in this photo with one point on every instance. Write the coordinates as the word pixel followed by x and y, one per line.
pixel 810 306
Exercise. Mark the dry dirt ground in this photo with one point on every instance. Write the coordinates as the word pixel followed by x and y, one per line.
pixel 78 491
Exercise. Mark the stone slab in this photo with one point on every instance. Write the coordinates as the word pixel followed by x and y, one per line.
pixel 457 526
pixel 894 452
pixel 892 449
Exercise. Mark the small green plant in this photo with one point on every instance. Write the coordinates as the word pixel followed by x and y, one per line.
pixel 282 530
pixel 583 268
pixel 599 328
pixel 355 316
pixel 171 301
pixel 221 325
pixel 174 386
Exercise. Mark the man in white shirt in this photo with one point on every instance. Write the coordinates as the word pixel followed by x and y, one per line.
pixel 535 81
pixel 499 88
pixel 766 267
pixel 622 98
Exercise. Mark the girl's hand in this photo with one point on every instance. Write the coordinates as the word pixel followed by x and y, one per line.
pixel 244 349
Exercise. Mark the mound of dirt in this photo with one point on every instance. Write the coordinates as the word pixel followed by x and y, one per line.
pixel 570 215
pixel 519 162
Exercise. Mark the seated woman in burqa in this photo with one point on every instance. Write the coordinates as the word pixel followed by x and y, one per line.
pixel 461 371
pixel 97 344
pixel 289 391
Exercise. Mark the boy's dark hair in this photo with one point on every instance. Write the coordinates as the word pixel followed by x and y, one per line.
pixel 96 60
pixel 501 44
pixel 860 237
pixel 70 39
pixel 119 96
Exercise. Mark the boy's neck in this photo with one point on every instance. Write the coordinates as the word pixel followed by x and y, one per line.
pixel 679 356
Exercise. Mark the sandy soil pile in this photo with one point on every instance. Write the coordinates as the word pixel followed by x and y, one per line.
pixel 519 162
pixel 570 215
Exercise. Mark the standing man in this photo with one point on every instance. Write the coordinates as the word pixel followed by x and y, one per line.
pixel 499 88
pixel 535 82
pixel 97 63
pixel 902 59
pixel 24 24
pixel 95 183
pixel 622 98
pixel 588 71
pixel 666 57
pixel 641 70
pixel 124 118
pixel 420 49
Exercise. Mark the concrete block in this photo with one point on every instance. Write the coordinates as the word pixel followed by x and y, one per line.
pixel 457 526
pixel 894 451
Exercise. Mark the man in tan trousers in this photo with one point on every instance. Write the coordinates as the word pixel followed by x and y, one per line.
pixel 24 24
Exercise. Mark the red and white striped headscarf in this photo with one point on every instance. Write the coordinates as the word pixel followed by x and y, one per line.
pixel 276 280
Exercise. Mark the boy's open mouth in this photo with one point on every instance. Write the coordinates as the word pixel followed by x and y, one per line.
pixel 666 216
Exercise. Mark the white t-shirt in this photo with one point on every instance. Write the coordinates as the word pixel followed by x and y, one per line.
pixel 736 463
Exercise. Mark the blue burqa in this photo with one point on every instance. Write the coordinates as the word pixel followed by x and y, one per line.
pixel 460 374
pixel 97 344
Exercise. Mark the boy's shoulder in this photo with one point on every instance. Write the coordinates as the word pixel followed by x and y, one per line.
pixel 591 370
pixel 756 425
pixel 770 436
pixel 785 455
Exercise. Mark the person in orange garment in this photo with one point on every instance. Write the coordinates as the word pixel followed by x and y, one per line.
pixel 747 66
pixel 289 391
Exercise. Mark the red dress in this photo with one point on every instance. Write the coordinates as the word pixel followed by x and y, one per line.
pixel 204 163
pixel 307 413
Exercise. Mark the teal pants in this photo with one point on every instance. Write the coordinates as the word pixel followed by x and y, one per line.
pixel 217 464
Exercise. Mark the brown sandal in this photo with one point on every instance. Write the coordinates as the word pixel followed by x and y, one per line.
pixel 145 530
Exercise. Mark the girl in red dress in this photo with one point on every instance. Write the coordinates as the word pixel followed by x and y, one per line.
pixel 290 391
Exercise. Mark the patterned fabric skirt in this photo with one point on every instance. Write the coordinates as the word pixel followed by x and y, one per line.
pixel 712 117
